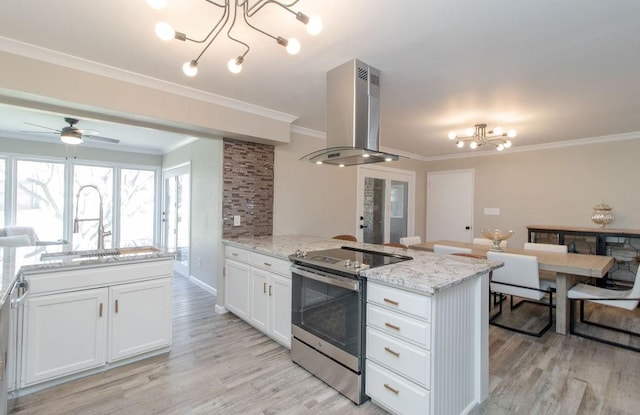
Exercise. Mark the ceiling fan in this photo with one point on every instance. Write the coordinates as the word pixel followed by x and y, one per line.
pixel 73 135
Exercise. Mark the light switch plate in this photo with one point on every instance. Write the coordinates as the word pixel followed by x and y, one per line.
pixel 236 220
pixel 491 211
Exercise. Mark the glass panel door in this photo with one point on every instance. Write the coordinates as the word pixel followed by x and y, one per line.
pixel 176 216
pixel 385 200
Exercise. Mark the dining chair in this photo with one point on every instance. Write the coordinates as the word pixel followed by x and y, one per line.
pixel 449 250
pixel 534 246
pixel 519 277
pixel 346 238
pixel 624 299
pixel 485 241
pixel 410 240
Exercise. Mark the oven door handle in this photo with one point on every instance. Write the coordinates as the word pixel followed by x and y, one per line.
pixel 347 283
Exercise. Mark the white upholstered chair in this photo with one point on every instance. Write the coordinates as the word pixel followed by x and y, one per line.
pixel 562 249
pixel 485 241
pixel 449 250
pixel 410 240
pixel 625 299
pixel 519 277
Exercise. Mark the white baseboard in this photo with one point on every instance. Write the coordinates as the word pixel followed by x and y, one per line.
pixel 203 285
pixel 220 309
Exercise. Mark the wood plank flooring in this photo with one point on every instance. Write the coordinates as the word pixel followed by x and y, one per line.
pixel 221 365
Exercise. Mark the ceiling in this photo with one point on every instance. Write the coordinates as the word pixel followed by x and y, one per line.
pixel 556 71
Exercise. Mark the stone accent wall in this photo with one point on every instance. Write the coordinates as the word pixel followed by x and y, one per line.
pixel 248 188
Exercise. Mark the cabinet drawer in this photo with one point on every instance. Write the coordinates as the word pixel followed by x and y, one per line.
pixel 411 329
pixel 236 253
pixel 389 351
pixel 405 301
pixel 394 392
pixel 270 263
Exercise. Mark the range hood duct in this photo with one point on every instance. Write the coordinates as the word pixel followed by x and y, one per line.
pixel 353 117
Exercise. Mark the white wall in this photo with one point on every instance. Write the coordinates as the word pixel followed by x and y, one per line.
pixel 205 155
pixel 555 186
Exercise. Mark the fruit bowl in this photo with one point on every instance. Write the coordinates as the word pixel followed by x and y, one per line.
pixel 496 236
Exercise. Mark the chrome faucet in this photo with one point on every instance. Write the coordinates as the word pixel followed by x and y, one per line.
pixel 100 219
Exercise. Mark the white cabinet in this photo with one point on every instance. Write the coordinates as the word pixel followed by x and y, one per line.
pixel 140 317
pixel 424 352
pixel 258 290
pixel 65 333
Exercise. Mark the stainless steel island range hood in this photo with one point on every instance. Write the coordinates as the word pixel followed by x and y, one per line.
pixel 353 117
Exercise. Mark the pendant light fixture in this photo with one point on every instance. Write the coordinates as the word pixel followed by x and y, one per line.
pixel 230 11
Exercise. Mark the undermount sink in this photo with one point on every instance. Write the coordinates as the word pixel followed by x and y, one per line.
pixel 96 254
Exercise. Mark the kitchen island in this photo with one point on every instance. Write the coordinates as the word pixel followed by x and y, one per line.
pixel 443 368
pixel 83 312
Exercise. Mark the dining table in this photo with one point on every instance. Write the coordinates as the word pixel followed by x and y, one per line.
pixel 570 268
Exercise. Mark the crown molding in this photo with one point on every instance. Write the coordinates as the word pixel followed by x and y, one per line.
pixel 308 132
pixel 73 62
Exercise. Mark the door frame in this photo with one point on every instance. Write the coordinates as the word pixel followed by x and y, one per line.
pixel 177 170
pixel 428 201
pixel 386 173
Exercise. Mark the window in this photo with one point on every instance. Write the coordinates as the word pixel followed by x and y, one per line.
pixel 137 197
pixel 3 173
pixel 40 191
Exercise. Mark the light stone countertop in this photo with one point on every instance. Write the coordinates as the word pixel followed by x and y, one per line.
pixel 16 261
pixel 427 273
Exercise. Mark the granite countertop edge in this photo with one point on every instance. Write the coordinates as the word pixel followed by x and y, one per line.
pixel 427 273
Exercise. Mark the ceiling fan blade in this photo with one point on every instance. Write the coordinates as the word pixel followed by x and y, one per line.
pixel 98 138
pixel 40 132
pixel 42 126
pixel 89 131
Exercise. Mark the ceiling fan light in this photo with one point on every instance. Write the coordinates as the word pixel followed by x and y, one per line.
pixel 72 139
pixel 164 31
pixel 190 68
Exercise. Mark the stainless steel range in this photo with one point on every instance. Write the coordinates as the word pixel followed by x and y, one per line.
pixel 328 314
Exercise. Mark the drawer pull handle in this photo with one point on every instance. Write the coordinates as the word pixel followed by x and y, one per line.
pixel 264 287
pixel 234 253
pixel 391 388
pixel 393 352
pixel 392 326
pixel 266 264
pixel 392 302
pixel 270 293
pixel 100 310
pixel 116 306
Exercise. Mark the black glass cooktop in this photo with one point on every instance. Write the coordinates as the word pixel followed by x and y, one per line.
pixel 347 259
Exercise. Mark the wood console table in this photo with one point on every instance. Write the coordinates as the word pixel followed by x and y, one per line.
pixel 568 268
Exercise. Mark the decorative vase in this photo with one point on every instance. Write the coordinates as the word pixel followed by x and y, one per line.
pixel 496 236
pixel 602 215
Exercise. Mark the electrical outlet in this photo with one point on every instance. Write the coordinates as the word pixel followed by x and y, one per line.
pixel 236 220
pixel 492 211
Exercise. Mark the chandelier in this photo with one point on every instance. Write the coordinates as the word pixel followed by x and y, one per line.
pixel 231 9
pixel 479 135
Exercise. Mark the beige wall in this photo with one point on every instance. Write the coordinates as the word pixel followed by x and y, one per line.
pixel 205 156
pixel 554 186
pixel 321 200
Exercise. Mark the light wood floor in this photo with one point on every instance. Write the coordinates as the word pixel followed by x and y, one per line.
pixel 221 365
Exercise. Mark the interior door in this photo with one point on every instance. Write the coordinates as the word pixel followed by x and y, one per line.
pixel 385 204
pixel 450 205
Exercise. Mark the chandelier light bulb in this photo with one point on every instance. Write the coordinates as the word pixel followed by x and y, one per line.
pixel 314 27
pixel 452 135
pixel 293 46
pixel 164 31
pixel 470 131
pixel 157 4
pixel 473 145
pixel 460 144
pixel 190 68
pixel 507 144
pixel 500 147
pixel 511 133
pixel 235 64
pixel 498 131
